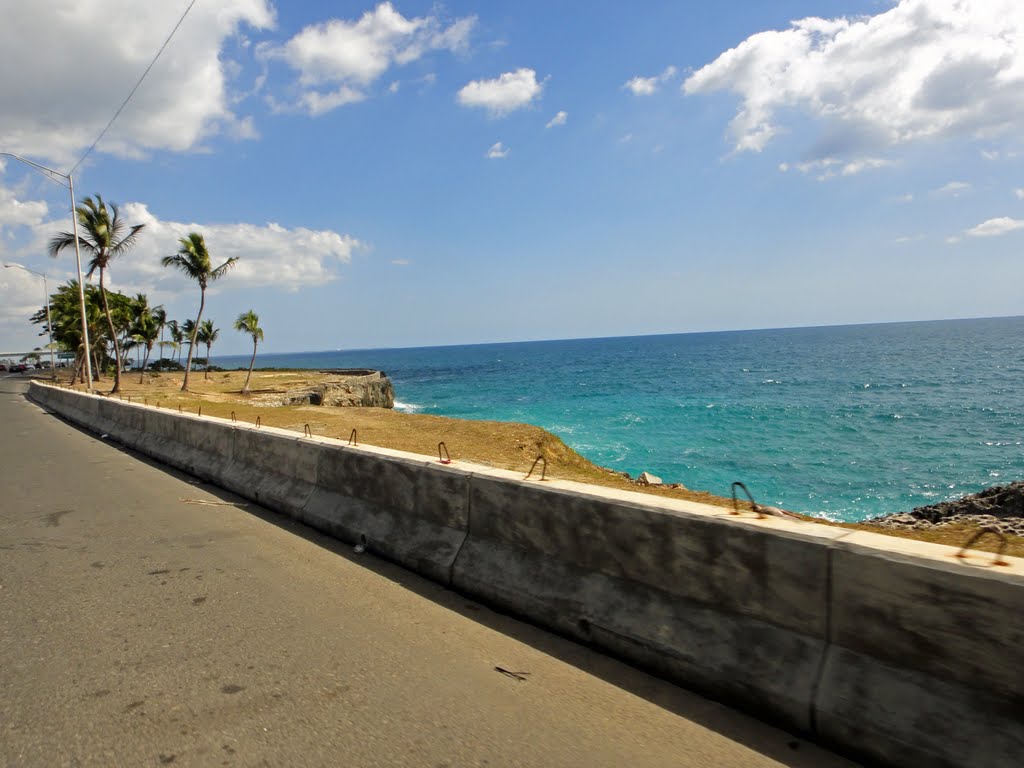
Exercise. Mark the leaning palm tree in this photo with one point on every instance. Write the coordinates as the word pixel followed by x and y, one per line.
pixel 104 238
pixel 207 335
pixel 249 322
pixel 193 259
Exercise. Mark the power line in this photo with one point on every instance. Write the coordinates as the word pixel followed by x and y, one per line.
pixel 125 103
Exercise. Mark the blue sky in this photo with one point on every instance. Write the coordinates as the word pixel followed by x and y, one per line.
pixel 417 173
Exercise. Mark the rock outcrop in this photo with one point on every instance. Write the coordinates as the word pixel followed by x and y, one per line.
pixel 346 389
pixel 1000 508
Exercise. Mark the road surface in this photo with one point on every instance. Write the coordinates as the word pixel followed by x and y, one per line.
pixel 148 619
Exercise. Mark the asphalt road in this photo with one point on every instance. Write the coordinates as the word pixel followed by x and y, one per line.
pixel 148 619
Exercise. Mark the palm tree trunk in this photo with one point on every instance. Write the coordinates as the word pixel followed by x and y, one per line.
pixel 145 362
pixel 192 342
pixel 113 337
pixel 245 389
pixel 206 373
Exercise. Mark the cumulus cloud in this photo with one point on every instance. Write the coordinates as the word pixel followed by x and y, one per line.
pixel 504 94
pixel 647 86
pixel 1019 193
pixel 70 65
pixel 269 254
pixel 15 212
pixel 996 227
pixel 338 59
pixel 497 151
pixel 559 119
pixel 925 69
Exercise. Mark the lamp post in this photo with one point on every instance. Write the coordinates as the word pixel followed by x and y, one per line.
pixel 49 323
pixel 53 175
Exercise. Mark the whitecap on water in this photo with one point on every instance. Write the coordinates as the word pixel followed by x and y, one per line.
pixel 407 407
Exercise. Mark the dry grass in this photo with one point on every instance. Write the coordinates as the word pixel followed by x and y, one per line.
pixel 504 445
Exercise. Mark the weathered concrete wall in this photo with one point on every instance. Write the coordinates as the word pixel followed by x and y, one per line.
pixel 889 648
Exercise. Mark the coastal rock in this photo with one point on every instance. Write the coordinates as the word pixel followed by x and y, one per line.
pixel 1000 508
pixel 347 389
pixel 646 478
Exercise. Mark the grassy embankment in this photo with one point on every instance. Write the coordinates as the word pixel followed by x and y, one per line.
pixel 499 444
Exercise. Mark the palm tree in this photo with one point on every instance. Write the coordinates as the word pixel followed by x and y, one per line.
pixel 177 337
pixel 104 239
pixel 188 331
pixel 207 335
pixel 193 259
pixel 249 322
pixel 144 330
pixel 160 315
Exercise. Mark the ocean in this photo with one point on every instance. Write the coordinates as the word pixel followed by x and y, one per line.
pixel 845 422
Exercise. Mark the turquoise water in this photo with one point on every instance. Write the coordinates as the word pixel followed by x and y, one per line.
pixel 848 422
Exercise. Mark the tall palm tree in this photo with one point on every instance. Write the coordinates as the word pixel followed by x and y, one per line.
pixel 193 259
pixel 207 335
pixel 104 238
pixel 249 322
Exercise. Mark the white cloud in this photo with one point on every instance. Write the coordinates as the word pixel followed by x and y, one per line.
pixel 559 119
pixel 646 86
pixel 923 69
pixel 1019 193
pixel 338 59
pixel 269 254
pixel 401 262
pixel 996 227
pixel 910 238
pixel 953 188
pixel 904 199
pixel 63 86
pixel 504 94
pixel 830 167
pixel 497 151
pixel 15 212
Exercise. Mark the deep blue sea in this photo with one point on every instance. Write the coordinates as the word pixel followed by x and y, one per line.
pixel 847 422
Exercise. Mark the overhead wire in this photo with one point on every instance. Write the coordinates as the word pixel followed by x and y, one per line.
pixel 125 102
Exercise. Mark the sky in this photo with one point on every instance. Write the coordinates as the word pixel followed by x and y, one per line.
pixel 418 173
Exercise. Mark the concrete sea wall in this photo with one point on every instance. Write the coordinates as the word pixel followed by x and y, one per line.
pixel 892 649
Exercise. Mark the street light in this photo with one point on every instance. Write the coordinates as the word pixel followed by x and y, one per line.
pixel 49 323
pixel 52 176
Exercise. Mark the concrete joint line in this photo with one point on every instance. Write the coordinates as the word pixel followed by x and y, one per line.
pixel 469 528
pixel 820 674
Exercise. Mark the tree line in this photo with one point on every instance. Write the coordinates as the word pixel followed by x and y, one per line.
pixel 117 323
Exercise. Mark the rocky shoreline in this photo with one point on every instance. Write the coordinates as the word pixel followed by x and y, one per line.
pixel 1000 508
